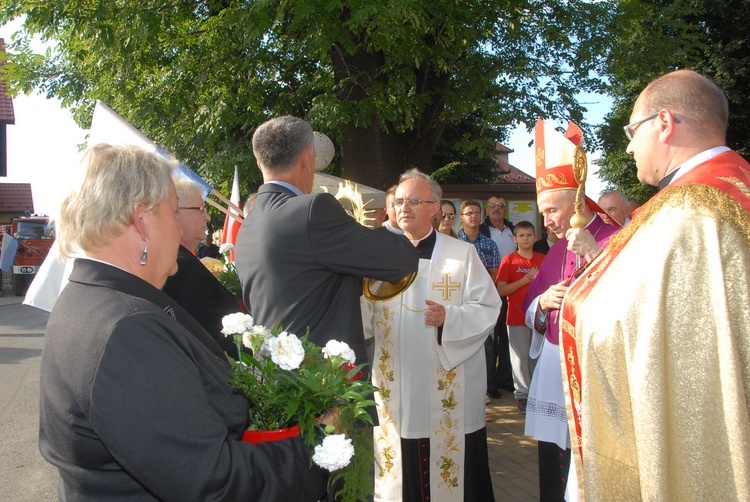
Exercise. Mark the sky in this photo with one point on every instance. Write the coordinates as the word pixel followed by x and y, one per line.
pixel 43 145
pixel 42 149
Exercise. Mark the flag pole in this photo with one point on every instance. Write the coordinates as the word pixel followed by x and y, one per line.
pixel 220 207
pixel 239 216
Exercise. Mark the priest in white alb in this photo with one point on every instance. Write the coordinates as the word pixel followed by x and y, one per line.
pixel 429 365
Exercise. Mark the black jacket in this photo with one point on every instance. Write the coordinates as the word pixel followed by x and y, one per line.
pixel 135 403
pixel 201 294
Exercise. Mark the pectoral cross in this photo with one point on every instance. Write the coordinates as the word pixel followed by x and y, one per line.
pixel 446 286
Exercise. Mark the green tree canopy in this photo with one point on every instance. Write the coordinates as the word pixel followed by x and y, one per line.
pixel 383 78
pixel 654 37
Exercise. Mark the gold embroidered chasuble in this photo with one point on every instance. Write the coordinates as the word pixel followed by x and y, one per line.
pixel 431 390
pixel 656 348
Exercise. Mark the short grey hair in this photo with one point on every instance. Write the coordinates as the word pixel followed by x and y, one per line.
pixel 625 199
pixel 116 179
pixel 277 143
pixel 416 174
pixel 186 188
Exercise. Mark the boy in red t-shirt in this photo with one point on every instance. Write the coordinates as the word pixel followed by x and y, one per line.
pixel 513 278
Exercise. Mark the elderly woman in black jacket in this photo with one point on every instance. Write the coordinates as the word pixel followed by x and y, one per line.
pixel 193 286
pixel 134 398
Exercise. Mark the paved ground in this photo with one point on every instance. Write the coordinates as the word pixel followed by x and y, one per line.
pixel 26 476
pixel 513 456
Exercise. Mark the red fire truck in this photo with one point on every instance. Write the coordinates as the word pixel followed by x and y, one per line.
pixel 35 238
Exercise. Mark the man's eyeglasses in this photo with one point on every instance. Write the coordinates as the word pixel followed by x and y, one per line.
pixel 630 128
pixel 411 202
pixel 449 216
pixel 495 204
pixel 202 209
pixel 470 213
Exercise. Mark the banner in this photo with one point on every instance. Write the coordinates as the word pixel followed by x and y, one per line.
pixel 8 252
pixel 231 223
pixel 106 127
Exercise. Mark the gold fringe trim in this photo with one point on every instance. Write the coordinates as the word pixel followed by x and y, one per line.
pixel 707 200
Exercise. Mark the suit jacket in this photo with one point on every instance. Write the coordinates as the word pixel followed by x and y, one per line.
pixel 201 294
pixel 301 259
pixel 135 403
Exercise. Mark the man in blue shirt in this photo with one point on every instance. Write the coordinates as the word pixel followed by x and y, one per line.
pixel 470 216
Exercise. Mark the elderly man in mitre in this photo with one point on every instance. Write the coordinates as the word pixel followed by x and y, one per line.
pixel 557 184
pixel 431 443
pixel 657 332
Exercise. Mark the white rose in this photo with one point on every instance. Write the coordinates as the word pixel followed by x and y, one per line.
pixel 247 339
pixel 261 330
pixel 236 323
pixel 286 350
pixel 256 337
pixel 226 247
pixel 335 348
pixel 335 453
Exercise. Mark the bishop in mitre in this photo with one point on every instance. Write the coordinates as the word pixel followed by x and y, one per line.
pixel 429 366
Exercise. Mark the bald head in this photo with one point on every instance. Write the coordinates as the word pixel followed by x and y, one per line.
pixel 695 100
pixel 616 204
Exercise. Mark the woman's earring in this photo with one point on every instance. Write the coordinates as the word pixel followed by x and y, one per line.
pixel 144 254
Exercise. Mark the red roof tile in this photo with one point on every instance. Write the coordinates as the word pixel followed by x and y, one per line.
pixel 6 102
pixel 507 173
pixel 16 198
pixel 502 148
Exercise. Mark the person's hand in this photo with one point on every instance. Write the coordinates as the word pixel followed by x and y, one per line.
pixel 532 273
pixel 331 417
pixel 582 243
pixel 552 298
pixel 435 314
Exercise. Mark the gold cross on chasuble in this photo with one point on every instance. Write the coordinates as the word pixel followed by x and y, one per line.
pixel 446 286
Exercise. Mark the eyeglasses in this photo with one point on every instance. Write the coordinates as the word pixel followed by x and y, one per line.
pixel 470 213
pixel 411 202
pixel 495 204
pixel 202 209
pixel 449 216
pixel 630 128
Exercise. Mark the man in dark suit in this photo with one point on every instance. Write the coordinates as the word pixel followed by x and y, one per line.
pixel 299 256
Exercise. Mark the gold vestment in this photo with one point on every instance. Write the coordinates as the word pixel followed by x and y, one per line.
pixel 663 347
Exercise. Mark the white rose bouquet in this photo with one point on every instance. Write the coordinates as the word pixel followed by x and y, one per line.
pixel 290 381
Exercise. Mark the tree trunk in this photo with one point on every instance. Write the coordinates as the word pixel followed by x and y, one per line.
pixel 369 154
pixel 377 159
